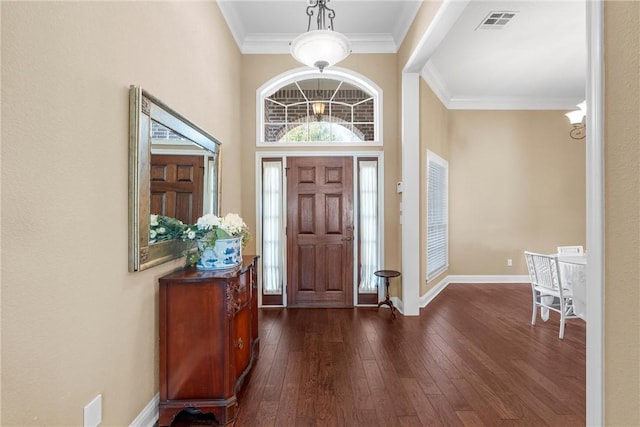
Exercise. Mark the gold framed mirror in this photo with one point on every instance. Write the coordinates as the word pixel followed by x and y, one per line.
pixel 174 171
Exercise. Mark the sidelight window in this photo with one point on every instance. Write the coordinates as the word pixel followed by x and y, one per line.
pixel 368 216
pixel 272 220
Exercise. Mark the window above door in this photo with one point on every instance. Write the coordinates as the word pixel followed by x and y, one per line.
pixel 319 109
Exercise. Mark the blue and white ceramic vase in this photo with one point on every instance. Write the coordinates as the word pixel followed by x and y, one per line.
pixel 226 254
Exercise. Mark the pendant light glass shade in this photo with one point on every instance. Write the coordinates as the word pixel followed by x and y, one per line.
pixel 320 48
pixel 323 47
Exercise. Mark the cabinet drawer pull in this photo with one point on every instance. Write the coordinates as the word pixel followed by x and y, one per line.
pixel 240 343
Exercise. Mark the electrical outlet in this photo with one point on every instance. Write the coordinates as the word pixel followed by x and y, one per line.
pixel 93 412
pixel 509 262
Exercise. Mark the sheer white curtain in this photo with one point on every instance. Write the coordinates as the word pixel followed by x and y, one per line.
pixel 368 205
pixel 272 245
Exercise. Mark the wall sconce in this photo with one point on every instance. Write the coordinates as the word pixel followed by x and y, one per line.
pixel 576 118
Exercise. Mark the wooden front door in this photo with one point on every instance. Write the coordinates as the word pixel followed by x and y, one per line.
pixel 320 231
pixel 177 186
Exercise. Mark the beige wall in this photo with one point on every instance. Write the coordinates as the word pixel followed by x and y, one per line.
pixel 434 136
pixel 517 182
pixel 622 213
pixel 75 323
pixel 381 69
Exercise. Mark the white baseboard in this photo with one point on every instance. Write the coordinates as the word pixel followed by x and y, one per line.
pixel 433 292
pixel 439 287
pixel 149 415
pixel 488 279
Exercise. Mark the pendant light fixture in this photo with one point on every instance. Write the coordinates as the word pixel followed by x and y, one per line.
pixel 323 47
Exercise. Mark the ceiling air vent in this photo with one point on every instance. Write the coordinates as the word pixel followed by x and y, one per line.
pixel 496 20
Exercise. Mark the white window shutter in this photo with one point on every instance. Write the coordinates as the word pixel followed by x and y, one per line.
pixel 437 215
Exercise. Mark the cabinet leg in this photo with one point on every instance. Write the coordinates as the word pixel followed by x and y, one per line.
pixel 167 416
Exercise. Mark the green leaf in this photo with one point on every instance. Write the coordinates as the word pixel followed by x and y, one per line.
pixel 221 234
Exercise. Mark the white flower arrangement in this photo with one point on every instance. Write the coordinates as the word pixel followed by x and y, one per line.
pixel 163 228
pixel 226 227
pixel 211 227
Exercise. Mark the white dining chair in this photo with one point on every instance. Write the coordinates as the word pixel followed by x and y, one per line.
pixel 547 288
pixel 570 250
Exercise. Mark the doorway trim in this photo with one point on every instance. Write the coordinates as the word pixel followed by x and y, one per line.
pixel 354 155
pixel 595 213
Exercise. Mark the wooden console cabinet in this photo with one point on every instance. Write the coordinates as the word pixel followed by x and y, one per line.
pixel 208 339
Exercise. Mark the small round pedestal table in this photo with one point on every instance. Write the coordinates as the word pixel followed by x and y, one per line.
pixel 386 274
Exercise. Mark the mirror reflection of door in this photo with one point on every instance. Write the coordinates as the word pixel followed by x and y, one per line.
pixel 177 186
pixel 320 231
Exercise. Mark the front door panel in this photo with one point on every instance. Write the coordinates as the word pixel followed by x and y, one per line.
pixel 320 231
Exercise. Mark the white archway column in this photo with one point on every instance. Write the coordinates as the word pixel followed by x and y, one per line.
pixel 595 213
pixel 445 18
pixel 410 215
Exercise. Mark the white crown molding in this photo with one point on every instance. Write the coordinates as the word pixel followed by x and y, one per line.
pixel 511 103
pixel 401 29
pixel 434 79
pixel 256 43
pixel 233 21
pixel 372 43
pixel 437 83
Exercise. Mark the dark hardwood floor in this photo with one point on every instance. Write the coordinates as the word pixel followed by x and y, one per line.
pixel 470 359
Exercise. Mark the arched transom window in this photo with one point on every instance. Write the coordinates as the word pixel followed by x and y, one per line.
pixel 319 109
